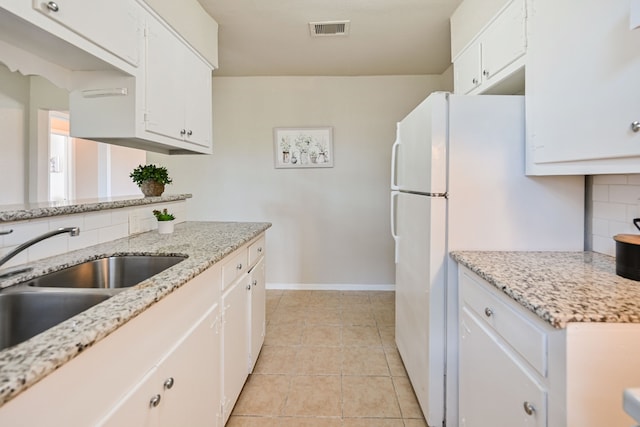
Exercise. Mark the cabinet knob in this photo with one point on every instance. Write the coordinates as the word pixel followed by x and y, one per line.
pixel 168 383
pixel 239 267
pixel 155 401
pixel 488 312
pixel 53 6
pixel 255 282
pixel 635 126
pixel 249 287
pixel 183 131
pixel 260 249
pixel 485 73
pixel 474 81
pixel 529 409
pixel 189 132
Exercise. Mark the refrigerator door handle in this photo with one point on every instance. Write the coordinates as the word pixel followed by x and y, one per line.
pixel 394 196
pixel 394 151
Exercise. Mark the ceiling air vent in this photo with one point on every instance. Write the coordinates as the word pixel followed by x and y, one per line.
pixel 329 28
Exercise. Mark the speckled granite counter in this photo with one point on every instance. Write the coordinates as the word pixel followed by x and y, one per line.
pixel 204 242
pixel 46 209
pixel 560 287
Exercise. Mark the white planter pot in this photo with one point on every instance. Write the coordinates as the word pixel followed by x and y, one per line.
pixel 165 227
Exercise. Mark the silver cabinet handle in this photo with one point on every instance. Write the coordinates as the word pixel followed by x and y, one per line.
pixel 249 287
pixel 485 73
pixel 255 282
pixel 488 312
pixel 260 249
pixel 474 81
pixel 189 132
pixel 183 131
pixel 4 233
pixel 155 401
pixel 635 126
pixel 529 409
pixel 239 267
pixel 53 6
pixel 168 383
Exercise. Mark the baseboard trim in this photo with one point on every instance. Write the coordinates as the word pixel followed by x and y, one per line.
pixel 329 287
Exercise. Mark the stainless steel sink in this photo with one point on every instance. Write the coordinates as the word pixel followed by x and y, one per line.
pixel 107 273
pixel 26 314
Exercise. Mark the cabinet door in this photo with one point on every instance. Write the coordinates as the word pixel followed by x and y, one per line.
pixel 164 83
pixel 257 319
pixel 495 389
pixel 467 69
pixel 584 85
pixel 504 41
pixel 112 25
pixel 235 345
pixel 189 377
pixel 198 115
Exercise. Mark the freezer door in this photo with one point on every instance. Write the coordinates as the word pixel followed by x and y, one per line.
pixel 420 297
pixel 419 153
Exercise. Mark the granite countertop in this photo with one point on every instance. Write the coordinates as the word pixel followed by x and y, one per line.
pixel 560 287
pixel 46 209
pixel 205 243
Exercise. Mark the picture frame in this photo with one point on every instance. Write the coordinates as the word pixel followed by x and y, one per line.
pixel 303 147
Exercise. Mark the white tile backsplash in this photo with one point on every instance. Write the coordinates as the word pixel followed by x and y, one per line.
pixel 615 203
pixel 95 227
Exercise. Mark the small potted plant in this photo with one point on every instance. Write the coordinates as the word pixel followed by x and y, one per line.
pixel 165 221
pixel 151 179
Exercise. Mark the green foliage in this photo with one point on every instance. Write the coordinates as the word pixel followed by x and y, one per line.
pixel 150 172
pixel 163 215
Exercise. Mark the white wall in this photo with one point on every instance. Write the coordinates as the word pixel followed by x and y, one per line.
pixel 330 226
pixel 14 111
pixel 616 202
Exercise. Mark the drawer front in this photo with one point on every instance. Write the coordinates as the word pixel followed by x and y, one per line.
pixel 522 334
pixel 234 268
pixel 256 250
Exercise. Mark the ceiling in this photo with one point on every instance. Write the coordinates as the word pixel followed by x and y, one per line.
pixel 386 37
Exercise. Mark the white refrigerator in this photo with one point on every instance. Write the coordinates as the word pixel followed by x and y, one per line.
pixel 458 183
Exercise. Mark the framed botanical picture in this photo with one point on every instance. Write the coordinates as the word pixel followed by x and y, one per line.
pixel 310 147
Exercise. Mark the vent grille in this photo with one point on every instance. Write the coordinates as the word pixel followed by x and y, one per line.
pixel 329 28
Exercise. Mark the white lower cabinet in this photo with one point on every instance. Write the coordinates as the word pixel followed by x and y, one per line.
pixel 517 370
pixel 257 313
pixel 497 390
pixel 235 348
pixel 175 392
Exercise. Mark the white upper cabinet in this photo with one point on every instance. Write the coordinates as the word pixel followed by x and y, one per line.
pixel 583 88
pixel 178 88
pixel 96 20
pixel 493 61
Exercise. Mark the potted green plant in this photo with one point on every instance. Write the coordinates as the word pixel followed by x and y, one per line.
pixel 165 221
pixel 151 179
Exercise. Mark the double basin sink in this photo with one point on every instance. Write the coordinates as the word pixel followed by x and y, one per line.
pixel 32 307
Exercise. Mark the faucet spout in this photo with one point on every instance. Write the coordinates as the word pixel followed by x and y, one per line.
pixel 73 231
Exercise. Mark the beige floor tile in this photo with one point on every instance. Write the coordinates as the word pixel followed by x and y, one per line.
pixel 311 422
pixel 263 395
pixel 245 421
pixel 372 422
pixel 288 314
pixel 322 335
pixel 314 396
pixel 358 316
pixel 294 298
pixel 382 298
pixel 364 361
pixel 415 423
pixel 325 316
pixel 319 361
pixel 355 298
pixel 385 316
pixel 372 397
pixel 283 333
pixel 396 367
pixel 360 335
pixel 388 335
pixel 276 360
pixel 409 406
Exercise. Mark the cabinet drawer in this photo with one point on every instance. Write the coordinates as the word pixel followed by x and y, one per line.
pixel 233 268
pixel 256 250
pixel 522 334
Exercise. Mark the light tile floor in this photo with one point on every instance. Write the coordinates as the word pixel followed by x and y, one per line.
pixel 329 360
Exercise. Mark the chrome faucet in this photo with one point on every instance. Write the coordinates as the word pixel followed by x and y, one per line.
pixel 73 231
